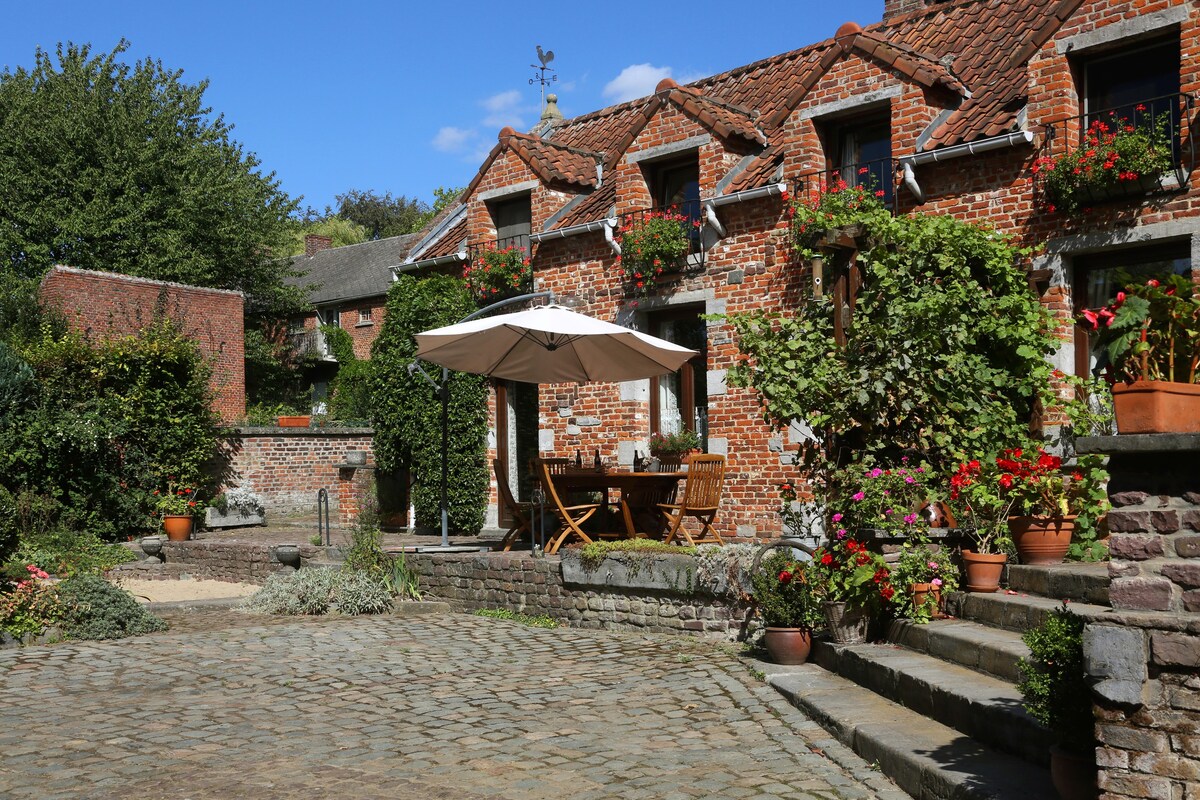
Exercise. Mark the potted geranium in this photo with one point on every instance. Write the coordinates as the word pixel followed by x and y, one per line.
pixel 833 207
pixel 670 448
pixel 652 243
pixel 881 500
pixel 495 273
pixel 176 505
pixel 853 583
pixel 983 510
pixel 1116 158
pixel 1055 690
pixel 1150 339
pixel 1046 501
pixel 788 605
pixel 925 574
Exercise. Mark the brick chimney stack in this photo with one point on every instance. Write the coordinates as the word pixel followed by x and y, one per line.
pixel 894 8
pixel 314 244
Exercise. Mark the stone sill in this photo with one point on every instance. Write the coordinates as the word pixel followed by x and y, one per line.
pixel 667 573
pixel 1140 443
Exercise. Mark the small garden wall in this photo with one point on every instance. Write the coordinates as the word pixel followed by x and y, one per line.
pixel 286 467
pixel 238 562
pixel 662 595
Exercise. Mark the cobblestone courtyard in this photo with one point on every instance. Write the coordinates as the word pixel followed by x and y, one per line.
pixel 227 705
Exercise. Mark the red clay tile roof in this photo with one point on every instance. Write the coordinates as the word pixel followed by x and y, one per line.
pixel 553 162
pixel 595 207
pixel 451 241
pixel 961 47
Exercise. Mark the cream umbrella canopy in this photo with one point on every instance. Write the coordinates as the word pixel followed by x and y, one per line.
pixel 550 344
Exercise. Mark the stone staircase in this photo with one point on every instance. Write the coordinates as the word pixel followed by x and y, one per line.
pixel 936 706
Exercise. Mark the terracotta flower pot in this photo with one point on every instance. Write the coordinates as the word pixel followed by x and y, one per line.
pixel 1073 774
pixel 178 527
pixel 1157 407
pixel 983 570
pixel 1041 541
pixel 921 592
pixel 847 624
pixel 788 645
pixel 294 422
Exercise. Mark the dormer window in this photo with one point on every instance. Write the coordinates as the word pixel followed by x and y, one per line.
pixel 863 155
pixel 513 219
pixel 675 184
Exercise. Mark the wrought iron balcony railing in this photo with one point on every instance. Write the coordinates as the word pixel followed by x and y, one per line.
pixel 876 177
pixel 686 217
pixel 311 343
pixel 500 268
pixel 1123 152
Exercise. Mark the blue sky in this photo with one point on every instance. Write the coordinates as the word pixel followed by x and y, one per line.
pixel 403 96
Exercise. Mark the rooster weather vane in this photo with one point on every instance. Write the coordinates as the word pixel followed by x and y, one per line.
pixel 544 56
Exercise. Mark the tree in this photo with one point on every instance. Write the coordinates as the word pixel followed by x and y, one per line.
pixel 123 168
pixel 341 231
pixel 384 215
pixel 406 411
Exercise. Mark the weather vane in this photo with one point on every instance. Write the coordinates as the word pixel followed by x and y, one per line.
pixel 545 57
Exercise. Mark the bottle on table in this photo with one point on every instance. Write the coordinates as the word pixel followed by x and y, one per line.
pixel 578 460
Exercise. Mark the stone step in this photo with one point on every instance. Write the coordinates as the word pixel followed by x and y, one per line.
pixel 986 708
pixel 1012 610
pixel 990 650
pixel 1083 583
pixel 928 760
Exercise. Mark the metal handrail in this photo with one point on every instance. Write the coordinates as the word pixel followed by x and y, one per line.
pixel 323 503
pixel 878 176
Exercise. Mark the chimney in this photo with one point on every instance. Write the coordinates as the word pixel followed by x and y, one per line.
pixel 894 8
pixel 314 244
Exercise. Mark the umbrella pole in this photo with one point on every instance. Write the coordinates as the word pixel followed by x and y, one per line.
pixel 444 391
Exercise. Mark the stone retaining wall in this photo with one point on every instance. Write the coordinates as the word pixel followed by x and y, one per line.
pixel 535 586
pixel 1155 520
pixel 1146 669
pixel 237 562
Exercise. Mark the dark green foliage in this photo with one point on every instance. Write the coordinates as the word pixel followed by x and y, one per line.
pixel 95 609
pixel 273 374
pixel 946 353
pixel 118 167
pixel 366 548
pixel 108 425
pixel 63 552
pixel 784 594
pixel 384 215
pixel 17 384
pixel 350 389
pixel 407 412
pixel 1054 681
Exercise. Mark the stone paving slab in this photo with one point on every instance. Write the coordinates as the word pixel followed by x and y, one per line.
pixel 228 704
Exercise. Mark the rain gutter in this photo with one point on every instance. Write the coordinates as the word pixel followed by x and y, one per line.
pixel 907 163
pixel 608 224
pixel 710 206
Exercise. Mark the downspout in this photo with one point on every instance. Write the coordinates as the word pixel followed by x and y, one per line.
pixel 610 225
pixel 710 206
pixel 957 151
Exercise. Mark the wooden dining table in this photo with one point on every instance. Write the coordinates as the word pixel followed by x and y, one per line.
pixel 632 486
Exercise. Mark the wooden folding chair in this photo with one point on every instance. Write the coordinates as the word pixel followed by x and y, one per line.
pixel 570 517
pixel 701 501
pixel 639 509
pixel 521 513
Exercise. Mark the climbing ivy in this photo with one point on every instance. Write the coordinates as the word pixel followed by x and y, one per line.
pixel 407 412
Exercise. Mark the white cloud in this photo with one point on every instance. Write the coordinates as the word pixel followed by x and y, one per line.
pixel 636 80
pixel 453 140
pixel 505 108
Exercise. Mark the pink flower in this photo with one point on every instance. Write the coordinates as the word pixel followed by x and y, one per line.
pixel 933 565
pixel 909 479
pixel 837 517
pixel 910 519
pixel 857 497
pixel 936 583
pixel 841 533
pixel 875 473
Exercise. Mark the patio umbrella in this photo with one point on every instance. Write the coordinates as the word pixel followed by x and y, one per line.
pixel 550 344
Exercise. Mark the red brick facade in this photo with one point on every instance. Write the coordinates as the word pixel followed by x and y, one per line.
pixel 107 304
pixel 946 74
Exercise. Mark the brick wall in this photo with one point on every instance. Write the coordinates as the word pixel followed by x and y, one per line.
pixel 105 304
pixel 288 466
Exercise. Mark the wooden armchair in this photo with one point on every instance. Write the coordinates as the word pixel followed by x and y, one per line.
pixel 521 513
pixel 701 501
pixel 570 517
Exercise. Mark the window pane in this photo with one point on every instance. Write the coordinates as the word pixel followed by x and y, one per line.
pixel 682 396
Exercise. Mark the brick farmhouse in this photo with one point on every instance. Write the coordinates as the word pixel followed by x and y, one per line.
pixel 943 107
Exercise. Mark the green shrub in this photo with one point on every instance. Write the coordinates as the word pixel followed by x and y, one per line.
pixel 318 591
pixel 64 552
pixel 93 608
pixel 1054 681
pixel 350 391
pixel 590 555
pixel 540 621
